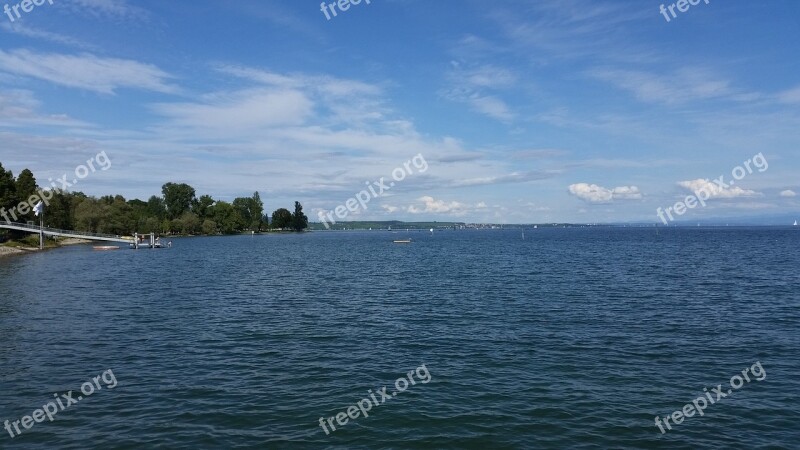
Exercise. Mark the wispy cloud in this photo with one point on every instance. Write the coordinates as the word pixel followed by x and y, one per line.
pixel 20 108
pixel 108 8
pixel 243 110
pixel 681 86
pixel 474 86
pixel 23 30
pixel 86 71
pixel 790 96
pixel 514 177
pixel 573 29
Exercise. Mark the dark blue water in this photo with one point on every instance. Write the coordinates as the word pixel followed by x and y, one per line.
pixel 572 338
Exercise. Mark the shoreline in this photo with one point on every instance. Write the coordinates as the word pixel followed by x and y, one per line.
pixel 6 251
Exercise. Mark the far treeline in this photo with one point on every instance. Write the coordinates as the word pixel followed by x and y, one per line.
pixel 177 211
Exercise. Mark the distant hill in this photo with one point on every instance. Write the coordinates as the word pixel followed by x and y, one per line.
pixel 383 225
pixel 400 225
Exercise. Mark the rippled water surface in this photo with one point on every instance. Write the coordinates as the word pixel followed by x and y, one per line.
pixel 571 338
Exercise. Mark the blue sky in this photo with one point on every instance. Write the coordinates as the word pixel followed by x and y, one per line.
pixel 525 111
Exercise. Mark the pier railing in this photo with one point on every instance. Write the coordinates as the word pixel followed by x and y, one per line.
pixel 64 233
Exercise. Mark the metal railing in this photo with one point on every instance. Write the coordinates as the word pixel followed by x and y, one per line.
pixel 65 233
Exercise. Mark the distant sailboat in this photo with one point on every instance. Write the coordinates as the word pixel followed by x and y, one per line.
pixel 523 234
pixel 795 223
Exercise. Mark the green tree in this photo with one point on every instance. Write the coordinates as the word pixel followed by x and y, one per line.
pixel 26 189
pixel 299 220
pixel 156 207
pixel 242 207
pixel 209 227
pixel 190 223
pixel 138 215
pixel 150 225
pixel 8 192
pixel 60 213
pixel 257 211
pixel 281 218
pixel 202 206
pixel 119 218
pixel 226 217
pixel 91 215
pixel 251 211
pixel 178 198
pixel 166 226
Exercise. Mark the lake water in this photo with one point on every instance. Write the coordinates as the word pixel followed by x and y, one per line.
pixel 571 338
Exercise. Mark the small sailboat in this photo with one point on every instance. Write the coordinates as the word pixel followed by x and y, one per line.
pixel 523 234
pixel 795 223
pixel 402 241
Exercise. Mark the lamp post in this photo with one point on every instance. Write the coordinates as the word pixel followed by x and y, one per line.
pixel 38 210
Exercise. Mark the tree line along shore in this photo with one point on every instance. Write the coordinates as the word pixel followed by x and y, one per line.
pixel 178 211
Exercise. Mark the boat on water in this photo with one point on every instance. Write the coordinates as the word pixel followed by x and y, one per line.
pixel 402 241
pixel 795 223
pixel 105 247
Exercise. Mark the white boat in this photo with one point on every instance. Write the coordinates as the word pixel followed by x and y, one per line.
pixel 795 223
pixel 105 247
pixel 402 241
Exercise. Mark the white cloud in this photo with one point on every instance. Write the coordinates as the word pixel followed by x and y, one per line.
pixel 21 108
pixel 715 190
pixel 346 101
pixel 482 76
pixel 22 30
pixel 469 86
pixel 514 177
pixel 491 106
pixel 431 205
pixel 593 193
pixel 788 193
pixel 85 71
pixel 678 87
pixel 241 110
pixel 108 8
pixel 790 96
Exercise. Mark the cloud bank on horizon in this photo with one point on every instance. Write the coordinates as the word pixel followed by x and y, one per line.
pixel 547 111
